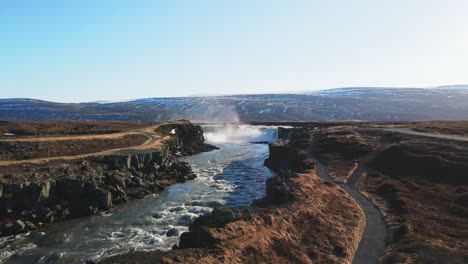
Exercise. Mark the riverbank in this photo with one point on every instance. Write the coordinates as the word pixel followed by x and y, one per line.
pixel 410 185
pixel 307 214
pixel 416 180
pixel 40 192
pixel 301 219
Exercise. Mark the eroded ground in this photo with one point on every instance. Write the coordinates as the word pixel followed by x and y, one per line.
pixel 319 224
pixel 419 183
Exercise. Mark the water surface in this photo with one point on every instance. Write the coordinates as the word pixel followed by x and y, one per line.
pixel 234 175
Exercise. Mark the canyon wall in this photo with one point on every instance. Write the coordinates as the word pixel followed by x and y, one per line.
pixel 85 187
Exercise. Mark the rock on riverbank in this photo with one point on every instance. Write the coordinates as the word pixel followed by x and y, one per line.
pixel 302 219
pixel 83 188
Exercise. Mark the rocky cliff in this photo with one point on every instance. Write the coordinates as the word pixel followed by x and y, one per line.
pixel 302 219
pixel 187 140
pixel 76 189
pixel 285 158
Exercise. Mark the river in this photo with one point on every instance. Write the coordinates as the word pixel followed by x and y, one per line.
pixel 233 175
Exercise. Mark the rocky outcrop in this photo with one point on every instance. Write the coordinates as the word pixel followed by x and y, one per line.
pixel 98 183
pixel 302 219
pixel 284 158
pixel 277 190
pixel 188 140
pixel 200 235
pixel 284 133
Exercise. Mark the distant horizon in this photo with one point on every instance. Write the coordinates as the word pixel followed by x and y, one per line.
pixel 104 101
pixel 85 51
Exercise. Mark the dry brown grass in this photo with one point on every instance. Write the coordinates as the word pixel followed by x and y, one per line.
pixel 340 148
pixel 49 149
pixel 458 128
pixel 64 128
pixel 41 149
pixel 421 186
pixel 320 228
pixel 323 227
pixel 340 170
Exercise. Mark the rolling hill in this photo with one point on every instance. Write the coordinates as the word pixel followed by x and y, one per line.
pixel 389 104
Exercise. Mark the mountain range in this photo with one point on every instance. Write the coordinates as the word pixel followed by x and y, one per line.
pixel 359 103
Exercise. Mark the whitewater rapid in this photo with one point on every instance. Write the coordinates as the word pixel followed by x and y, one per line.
pixel 240 133
pixel 233 175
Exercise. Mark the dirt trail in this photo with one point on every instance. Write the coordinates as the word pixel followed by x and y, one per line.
pixel 151 143
pixel 81 137
pixel 373 240
pixel 372 244
pixel 408 131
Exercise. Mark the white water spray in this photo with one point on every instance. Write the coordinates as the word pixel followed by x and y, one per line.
pixel 240 133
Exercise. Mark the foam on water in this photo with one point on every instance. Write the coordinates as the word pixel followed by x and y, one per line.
pixel 240 133
pixel 234 175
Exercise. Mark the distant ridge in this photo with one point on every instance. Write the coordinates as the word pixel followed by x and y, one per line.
pixel 457 86
pixel 350 103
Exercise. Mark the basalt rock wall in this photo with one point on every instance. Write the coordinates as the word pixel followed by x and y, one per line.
pixel 102 182
pixel 187 139
pixel 285 158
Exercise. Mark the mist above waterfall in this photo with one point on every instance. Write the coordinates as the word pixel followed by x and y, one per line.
pixel 240 133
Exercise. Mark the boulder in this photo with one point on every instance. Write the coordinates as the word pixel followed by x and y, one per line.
pixel 172 232
pixel 30 226
pixel 277 191
pixel 90 188
pixel 19 225
pixel 92 210
pixel 10 205
pixel 13 190
pixel 62 211
pixel 39 191
pixel 116 180
pixel 44 214
pixel 182 167
pixel 282 155
pixel 187 138
pixel 26 214
pixel 200 234
pixel 103 199
pixel 136 172
pixel 136 182
pixel 70 188
pixel 199 238
pixel 154 167
pixel 12 227
pixel 118 195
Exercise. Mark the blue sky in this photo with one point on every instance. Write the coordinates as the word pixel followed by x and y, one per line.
pixel 109 50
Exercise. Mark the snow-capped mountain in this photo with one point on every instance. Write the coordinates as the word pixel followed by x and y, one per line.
pixel 441 103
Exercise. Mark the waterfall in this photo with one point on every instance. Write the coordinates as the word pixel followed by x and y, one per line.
pixel 240 133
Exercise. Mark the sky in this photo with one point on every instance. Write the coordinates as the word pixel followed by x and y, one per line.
pixel 87 50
